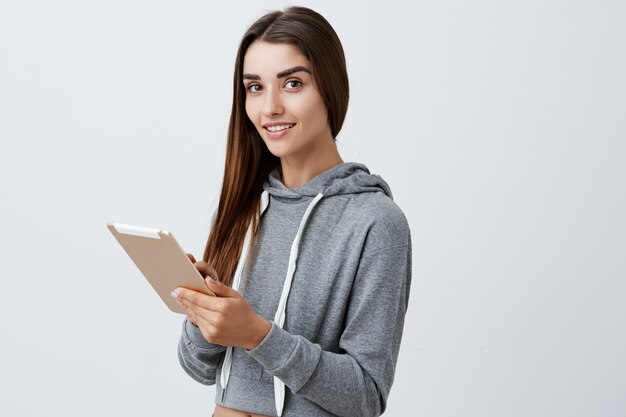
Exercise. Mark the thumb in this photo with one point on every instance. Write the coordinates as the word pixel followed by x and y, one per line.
pixel 219 288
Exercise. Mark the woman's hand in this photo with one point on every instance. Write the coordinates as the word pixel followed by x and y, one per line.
pixel 226 319
pixel 205 269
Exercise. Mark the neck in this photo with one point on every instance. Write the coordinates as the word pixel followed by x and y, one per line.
pixel 297 171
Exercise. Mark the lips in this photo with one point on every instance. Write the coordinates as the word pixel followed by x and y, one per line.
pixel 278 133
pixel 278 124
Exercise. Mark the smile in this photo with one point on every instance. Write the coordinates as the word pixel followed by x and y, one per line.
pixel 278 128
pixel 278 131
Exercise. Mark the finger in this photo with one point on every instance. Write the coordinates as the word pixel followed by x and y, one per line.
pixel 206 269
pixel 220 289
pixel 194 313
pixel 199 299
pixel 210 271
pixel 202 318
pixel 190 314
pixel 191 258
pixel 207 320
pixel 191 319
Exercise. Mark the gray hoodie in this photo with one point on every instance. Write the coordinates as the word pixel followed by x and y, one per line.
pixel 337 318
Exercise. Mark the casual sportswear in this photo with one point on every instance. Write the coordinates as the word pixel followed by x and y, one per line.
pixel 331 270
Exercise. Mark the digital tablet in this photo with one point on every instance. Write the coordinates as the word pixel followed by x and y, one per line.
pixel 161 260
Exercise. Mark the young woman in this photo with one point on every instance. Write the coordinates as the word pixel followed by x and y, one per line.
pixel 309 257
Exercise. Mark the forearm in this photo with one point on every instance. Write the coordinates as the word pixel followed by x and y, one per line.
pixel 198 357
pixel 334 381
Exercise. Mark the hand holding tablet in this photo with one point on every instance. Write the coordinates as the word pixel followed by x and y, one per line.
pixel 162 261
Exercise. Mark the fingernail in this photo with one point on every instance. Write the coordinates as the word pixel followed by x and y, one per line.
pixel 211 279
pixel 175 294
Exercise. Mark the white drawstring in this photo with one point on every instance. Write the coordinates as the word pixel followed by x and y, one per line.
pixel 279 318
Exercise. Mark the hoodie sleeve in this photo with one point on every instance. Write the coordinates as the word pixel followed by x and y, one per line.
pixel 357 381
pixel 198 357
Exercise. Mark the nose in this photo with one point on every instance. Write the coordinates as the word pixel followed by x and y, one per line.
pixel 272 104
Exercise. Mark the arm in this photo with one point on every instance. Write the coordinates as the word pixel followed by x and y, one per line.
pixel 212 324
pixel 357 382
pixel 198 357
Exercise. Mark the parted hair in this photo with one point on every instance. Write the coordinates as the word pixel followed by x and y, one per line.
pixel 248 160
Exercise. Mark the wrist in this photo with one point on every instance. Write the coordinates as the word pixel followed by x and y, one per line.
pixel 260 329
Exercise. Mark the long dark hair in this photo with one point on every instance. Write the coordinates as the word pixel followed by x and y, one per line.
pixel 248 161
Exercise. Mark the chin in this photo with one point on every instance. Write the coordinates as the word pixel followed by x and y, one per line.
pixel 277 149
pixel 278 152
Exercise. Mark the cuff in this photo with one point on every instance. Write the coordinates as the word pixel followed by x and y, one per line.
pixel 193 336
pixel 289 357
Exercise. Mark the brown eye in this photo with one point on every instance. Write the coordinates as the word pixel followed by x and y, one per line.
pixel 298 83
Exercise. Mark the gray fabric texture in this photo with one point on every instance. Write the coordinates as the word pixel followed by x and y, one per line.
pixel 338 349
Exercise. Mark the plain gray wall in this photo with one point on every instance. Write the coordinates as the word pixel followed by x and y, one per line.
pixel 499 126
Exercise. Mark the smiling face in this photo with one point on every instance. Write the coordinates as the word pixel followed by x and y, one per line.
pixel 283 101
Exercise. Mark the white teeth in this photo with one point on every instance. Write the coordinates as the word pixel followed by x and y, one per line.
pixel 277 128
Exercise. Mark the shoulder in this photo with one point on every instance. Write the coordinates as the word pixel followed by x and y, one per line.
pixel 386 223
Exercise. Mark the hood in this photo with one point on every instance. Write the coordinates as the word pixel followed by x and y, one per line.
pixel 345 178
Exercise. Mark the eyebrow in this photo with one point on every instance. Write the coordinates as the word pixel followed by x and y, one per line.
pixel 280 74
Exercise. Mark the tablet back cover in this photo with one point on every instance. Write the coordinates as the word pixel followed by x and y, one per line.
pixel 161 260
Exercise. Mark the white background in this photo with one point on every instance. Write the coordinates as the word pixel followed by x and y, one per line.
pixel 498 124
